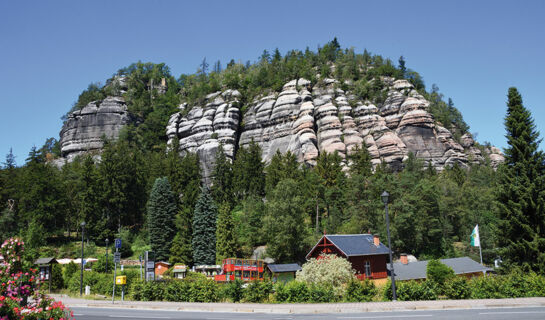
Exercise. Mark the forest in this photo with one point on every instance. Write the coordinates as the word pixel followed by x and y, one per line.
pixel 153 197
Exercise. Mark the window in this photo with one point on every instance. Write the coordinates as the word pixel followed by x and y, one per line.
pixel 367 267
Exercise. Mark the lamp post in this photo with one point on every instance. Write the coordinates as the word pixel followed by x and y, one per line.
pixel 81 275
pixel 107 241
pixel 384 197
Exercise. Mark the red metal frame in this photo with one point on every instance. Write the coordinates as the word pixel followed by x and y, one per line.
pixel 243 269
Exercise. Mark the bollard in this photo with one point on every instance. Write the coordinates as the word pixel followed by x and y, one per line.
pixel 87 290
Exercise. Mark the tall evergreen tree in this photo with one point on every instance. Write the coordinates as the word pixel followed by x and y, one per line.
pixel 204 229
pixel 226 245
pixel 248 170
pixel 521 190
pixel 222 181
pixel 161 210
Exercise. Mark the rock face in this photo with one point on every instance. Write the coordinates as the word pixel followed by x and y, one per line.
pixel 306 120
pixel 203 128
pixel 84 129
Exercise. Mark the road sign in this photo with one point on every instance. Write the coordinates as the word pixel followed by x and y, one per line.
pixel 117 257
pixel 118 243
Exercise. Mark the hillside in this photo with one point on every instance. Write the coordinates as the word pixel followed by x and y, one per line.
pixel 350 100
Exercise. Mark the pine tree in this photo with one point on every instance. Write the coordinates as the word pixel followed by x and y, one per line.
pixel 161 210
pixel 226 245
pixel 521 190
pixel 360 161
pixel 222 181
pixel 248 170
pixel 204 229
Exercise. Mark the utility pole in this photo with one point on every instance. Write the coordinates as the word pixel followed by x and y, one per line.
pixel 385 196
pixel 81 275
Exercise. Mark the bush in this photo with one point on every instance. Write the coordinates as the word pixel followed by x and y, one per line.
pixel 233 291
pixel 258 291
pixel 322 293
pixel 100 265
pixel 439 273
pixel 294 291
pixel 57 282
pixel 177 290
pixel 488 287
pixel 69 271
pixel 414 290
pixel 411 290
pixel 204 291
pixel 457 288
pixel 330 269
pixel 357 291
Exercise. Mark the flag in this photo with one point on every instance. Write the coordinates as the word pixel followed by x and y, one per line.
pixel 475 240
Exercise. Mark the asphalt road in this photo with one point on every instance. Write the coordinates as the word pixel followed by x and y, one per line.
pixel 473 314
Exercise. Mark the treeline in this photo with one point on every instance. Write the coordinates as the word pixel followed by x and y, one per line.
pixel 282 205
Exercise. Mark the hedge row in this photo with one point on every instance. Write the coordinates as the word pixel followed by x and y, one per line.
pixel 199 289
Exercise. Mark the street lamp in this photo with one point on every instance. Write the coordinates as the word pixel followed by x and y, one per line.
pixel 81 275
pixel 384 197
pixel 107 241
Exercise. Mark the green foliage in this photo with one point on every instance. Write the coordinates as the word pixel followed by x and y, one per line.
pixel 68 272
pixel 204 229
pixel 258 291
pixel 100 265
pixel 457 288
pixel 57 280
pixel 161 210
pixel 521 187
pixel 439 273
pixel 285 223
pixel 226 245
pixel 233 291
pixel 222 181
pixel 248 171
pixel 327 269
pixel 360 291
pixel 292 292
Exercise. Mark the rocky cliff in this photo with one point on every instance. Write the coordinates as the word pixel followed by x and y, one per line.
pixel 307 119
pixel 84 129
pixel 303 118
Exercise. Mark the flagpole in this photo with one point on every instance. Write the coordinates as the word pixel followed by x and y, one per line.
pixel 480 250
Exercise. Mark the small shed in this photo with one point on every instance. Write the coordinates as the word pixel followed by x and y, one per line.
pixel 160 268
pixel 283 272
pixel 179 271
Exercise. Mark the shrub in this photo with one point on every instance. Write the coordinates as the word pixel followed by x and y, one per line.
pixel 204 291
pixel 357 291
pixel 322 293
pixel 69 271
pixel 177 290
pixel 294 291
pixel 100 265
pixel 258 291
pixel 57 282
pixel 488 287
pixel 414 290
pixel 330 269
pixel 233 291
pixel 439 273
pixel 457 288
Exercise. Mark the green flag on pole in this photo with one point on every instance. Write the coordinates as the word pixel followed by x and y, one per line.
pixel 475 240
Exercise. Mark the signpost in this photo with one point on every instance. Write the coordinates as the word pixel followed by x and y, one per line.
pixel 117 259
pixel 150 265
pixel 121 280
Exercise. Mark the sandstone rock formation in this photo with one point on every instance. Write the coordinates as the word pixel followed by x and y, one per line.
pixel 202 129
pixel 84 129
pixel 307 120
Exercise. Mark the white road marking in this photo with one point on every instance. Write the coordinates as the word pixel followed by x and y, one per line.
pixel 142 317
pixel 385 317
pixel 511 312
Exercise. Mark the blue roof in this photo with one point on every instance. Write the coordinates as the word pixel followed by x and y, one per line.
pixel 355 244
pixel 287 267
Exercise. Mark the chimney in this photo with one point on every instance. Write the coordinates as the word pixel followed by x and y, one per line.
pixel 376 240
pixel 403 258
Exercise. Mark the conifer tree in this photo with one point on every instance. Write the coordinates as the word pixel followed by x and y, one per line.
pixel 161 210
pixel 521 190
pixel 222 181
pixel 204 229
pixel 226 245
pixel 248 170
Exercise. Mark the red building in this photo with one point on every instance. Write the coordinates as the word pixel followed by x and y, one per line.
pixel 367 255
pixel 243 269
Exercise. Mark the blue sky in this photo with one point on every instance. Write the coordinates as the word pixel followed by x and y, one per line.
pixel 473 50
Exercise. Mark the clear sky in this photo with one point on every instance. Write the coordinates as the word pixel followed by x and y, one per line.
pixel 473 50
